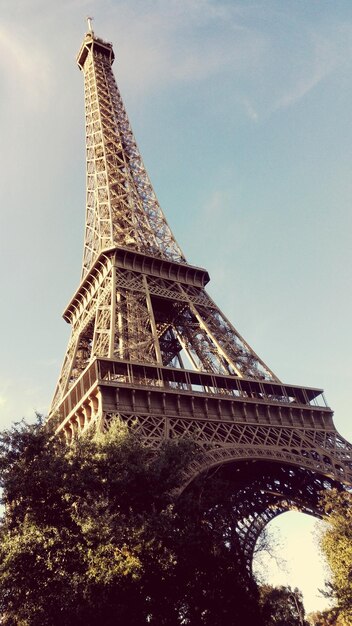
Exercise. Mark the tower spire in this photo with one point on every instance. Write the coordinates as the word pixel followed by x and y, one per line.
pixel 122 208
pixel 89 21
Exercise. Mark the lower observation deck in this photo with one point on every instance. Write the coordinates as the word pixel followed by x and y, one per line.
pixel 230 418
pixel 141 386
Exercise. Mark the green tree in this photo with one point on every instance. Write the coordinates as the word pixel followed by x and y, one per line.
pixel 336 543
pixel 94 534
pixel 282 606
pixel 329 617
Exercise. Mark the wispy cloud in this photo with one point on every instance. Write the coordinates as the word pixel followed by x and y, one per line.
pixel 244 46
pixel 24 66
pixel 160 43
pixel 250 110
pixel 318 63
pixel 183 41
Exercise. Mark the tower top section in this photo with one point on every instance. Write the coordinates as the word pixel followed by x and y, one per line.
pixel 122 210
pixel 94 44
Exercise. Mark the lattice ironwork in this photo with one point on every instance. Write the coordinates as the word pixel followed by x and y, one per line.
pixel 262 490
pixel 122 209
pixel 150 345
pixel 125 314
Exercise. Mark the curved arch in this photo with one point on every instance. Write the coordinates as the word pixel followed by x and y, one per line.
pixel 310 460
pixel 259 490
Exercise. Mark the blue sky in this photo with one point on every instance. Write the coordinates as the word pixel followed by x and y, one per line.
pixel 242 112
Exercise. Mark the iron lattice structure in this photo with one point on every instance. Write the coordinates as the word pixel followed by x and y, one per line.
pixel 150 345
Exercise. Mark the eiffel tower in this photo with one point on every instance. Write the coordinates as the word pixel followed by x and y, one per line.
pixel 148 343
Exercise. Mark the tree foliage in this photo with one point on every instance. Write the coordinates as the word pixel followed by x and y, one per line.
pixel 336 543
pixel 93 534
pixel 329 617
pixel 282 606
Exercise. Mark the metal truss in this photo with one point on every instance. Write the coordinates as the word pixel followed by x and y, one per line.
pixel 122 208
pixel 262 490
pixel 139 315
pixel 129 315
pixel 149 345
